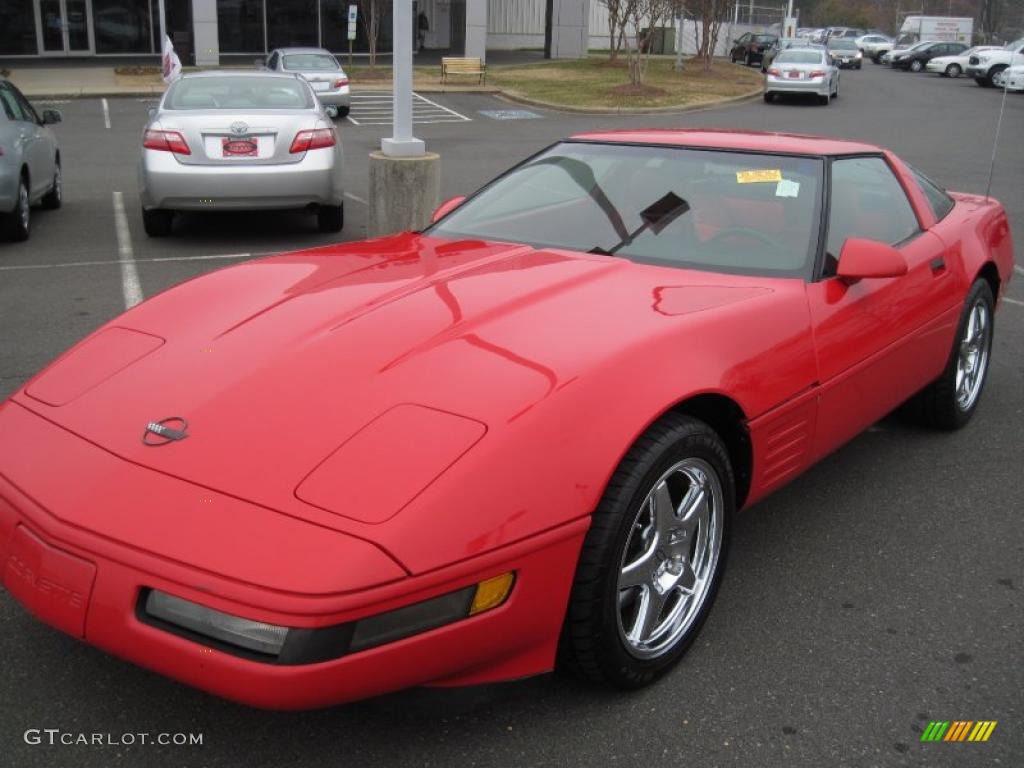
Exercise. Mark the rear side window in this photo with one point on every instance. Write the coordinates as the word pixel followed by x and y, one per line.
pixel 867 201
pixel 940 202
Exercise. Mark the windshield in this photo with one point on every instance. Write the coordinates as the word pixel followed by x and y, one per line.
pixel 238 93
pixel 1014 45
pixel 306 62
pixel 704 209
pixel 799 57
pixel 844 45
pixel 765 38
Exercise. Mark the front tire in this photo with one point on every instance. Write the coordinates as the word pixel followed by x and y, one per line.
pixel 17 225
pixel 653 558
pixel 953 70
pixel 950 401
pixel 55 197
pixel 916 66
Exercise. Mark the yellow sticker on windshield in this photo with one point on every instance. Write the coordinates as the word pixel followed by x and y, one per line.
pixel 752 177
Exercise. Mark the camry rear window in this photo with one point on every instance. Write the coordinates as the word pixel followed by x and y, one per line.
pixel 304 62
pixel 798 57
pixel 736 212
pixel 238 93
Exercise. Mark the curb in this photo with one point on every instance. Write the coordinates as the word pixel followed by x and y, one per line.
pixel 752 94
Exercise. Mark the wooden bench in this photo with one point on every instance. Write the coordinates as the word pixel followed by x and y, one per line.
pixel 451 65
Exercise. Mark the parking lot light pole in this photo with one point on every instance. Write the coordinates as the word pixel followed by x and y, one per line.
pixel 405 179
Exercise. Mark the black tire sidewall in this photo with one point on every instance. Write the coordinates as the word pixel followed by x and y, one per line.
pixel 683 438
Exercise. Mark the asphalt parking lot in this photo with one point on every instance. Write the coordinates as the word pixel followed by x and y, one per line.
pixel 879 591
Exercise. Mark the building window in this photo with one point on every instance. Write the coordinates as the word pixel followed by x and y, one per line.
pixel 17 28
pixel 292 22
pixel 121 26
pixel 240 26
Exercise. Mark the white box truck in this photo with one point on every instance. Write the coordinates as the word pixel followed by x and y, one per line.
pixel 950 29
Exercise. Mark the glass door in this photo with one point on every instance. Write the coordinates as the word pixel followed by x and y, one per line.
pixel 63 27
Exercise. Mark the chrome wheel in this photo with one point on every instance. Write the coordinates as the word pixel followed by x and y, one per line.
pixel 972 356
pixel 670 558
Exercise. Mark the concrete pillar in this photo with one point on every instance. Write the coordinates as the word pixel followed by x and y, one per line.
pixel 570 28
pixel 476 29
pixel 204 28
pixel 404 191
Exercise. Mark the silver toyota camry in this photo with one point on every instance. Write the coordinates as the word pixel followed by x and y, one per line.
pixel 240 141
pixel 319 67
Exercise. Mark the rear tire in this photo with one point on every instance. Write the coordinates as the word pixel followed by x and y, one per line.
pixel 55 197
pixel 157 222
pixel 824 100
pixel 769 98
pixel 17 225
pixel 677 476
pixel 343 112
pixel 949 402
pixel 330 218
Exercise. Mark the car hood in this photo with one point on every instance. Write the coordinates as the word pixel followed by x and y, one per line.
pixel 333 358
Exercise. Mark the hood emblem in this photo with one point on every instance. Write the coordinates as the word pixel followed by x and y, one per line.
pixel 239 127
pixel 169 430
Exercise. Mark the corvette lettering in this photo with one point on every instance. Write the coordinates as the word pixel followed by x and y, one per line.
pixel 58 592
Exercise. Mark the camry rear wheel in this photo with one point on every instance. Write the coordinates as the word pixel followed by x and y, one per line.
pixel 950 401
pixel 653 558
pixel 157 222
pixel 330 218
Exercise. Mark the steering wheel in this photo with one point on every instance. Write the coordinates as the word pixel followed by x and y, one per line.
pixel 745 232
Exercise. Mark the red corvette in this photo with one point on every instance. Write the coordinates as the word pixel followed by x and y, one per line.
pixel 519 436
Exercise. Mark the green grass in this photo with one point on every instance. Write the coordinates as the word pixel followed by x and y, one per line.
pixel 592 82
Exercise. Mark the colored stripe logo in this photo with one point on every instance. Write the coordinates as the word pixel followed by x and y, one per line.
pixel 958 730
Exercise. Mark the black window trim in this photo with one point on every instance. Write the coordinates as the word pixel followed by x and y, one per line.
pixel 819 265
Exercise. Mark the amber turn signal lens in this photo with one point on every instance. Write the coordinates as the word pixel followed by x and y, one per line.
pixel 492 593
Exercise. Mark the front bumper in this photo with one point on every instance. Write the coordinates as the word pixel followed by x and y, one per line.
pixel 977 70
pixel 1014 81
pixel 90 586
pixel 820 87
pixel 314 180
pixel 846 63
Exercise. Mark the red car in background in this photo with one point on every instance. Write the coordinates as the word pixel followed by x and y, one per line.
pixel 452 457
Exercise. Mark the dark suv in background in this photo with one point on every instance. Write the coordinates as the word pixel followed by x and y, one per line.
pixel 751 47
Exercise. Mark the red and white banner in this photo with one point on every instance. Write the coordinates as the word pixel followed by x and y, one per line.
pixel 171 62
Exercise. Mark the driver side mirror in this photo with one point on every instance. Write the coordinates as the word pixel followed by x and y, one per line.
pixel 861 259
pixel 447 207
pixel 51 116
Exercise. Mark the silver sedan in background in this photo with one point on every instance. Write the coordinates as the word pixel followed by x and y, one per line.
pixel 29 162
pixel 240 141
pixel 802 70
pixel 319 67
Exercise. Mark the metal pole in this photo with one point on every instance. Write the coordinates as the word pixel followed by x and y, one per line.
pixel 163 25
pixel 402 143
pixel 679 38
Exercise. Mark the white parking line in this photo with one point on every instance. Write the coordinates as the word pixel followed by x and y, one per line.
pixel 1018 269
pixel 130 285
pixel 358 199
pixel 1013 301
pixel 107 262
pixel 106 114
pixel 374 108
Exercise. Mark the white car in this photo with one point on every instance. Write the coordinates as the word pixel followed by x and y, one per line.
pixel 985 66
pixel 1012 78
pixel 874 45
pixel 954 66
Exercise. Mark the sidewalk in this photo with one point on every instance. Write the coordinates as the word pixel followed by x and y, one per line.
pixel 87 79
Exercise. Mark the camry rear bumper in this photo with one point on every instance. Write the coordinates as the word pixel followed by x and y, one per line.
pixel 164 182
pixel 94 588
pixel 788 85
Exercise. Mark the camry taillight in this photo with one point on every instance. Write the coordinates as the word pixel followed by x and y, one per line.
pixel 166 141
pixel 817 73
pixel 340 82
pixel 774 72
pixel 315 139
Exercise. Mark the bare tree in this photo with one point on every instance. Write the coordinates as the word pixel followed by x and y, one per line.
pixel 371 12
pixel 708 17
pixel 618 18
pixel 645 16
